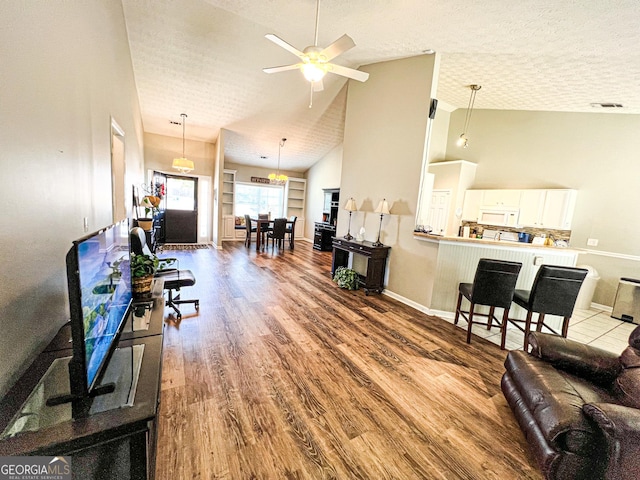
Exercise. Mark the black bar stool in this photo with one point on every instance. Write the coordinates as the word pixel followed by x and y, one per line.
pixel 554 292
pixel 493 286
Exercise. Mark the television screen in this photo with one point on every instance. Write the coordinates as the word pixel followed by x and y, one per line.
pixel 100 296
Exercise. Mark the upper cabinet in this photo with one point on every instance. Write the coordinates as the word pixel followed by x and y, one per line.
pixel 539 208
pixel 501 198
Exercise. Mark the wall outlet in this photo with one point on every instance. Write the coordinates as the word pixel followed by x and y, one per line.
pixel 592 242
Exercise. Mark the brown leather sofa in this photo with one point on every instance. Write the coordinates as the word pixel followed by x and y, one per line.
pixel 578 406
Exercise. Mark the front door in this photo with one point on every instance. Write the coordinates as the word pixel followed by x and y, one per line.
pixel 181 210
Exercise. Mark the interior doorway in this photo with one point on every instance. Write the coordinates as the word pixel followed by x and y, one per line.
pixel 181 209
pixel 439 211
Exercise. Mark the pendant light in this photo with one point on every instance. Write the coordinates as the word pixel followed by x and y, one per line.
pixel 278 178
pixel 182 164
pixel 463 141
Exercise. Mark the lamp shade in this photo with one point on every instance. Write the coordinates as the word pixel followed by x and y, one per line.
pixel 382 208
pixel 351 205
pixel 183 164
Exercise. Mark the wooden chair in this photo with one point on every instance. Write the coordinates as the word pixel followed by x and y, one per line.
pixel 278 232
pixel 250 230
pixel 291 230
pixel 493 286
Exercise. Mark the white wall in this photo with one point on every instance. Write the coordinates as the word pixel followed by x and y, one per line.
pixel 325 173
pixel 66 70
pixel 598 154
pixel 160 150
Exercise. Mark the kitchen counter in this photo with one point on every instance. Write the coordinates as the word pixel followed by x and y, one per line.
pixel 486 242
pixel 455 259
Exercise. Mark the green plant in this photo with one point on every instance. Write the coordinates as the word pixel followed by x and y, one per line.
pixel 143 265
pixel 346 278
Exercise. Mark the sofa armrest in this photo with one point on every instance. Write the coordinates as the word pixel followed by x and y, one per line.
pixel 620 426
pixel 594 364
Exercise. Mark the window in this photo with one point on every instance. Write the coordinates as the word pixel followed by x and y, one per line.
pixel 252 199
pixel 181 193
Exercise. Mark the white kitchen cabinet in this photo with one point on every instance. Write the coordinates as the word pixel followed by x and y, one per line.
pixel 471 205
pixel 531 207
pixel 551 208
pixel 501 198
pixel 558 209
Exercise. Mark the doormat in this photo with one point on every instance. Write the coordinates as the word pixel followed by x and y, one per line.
pixel 184 246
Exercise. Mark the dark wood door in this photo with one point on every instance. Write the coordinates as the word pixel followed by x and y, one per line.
pixel 181 214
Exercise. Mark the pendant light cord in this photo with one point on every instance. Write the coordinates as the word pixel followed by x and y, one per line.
pixel 472 101
pixel 184 116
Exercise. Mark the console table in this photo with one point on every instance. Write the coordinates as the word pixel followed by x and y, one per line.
pixel 118 438
pixel 373 281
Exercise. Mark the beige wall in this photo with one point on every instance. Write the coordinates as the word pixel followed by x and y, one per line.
pixel 384 147
pixel 598 154
pixel 66 70
pixel 159 152
pixel 323 174
pixel 245 172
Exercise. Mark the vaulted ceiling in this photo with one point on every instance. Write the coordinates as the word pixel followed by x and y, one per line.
pixel 205 58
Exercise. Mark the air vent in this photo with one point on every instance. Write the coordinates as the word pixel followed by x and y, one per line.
pixel 607 105
pixel 175 123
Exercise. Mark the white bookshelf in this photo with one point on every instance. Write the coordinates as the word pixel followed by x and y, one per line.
pixel 227 199
pixel 295 193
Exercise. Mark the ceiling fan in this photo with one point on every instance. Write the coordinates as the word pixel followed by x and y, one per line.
pixel 314 63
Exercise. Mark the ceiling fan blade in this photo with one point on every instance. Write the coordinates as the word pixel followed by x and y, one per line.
pixel 318 86
pixel 341 45
pixel 348 72
pixel 278 41
pixel 283 68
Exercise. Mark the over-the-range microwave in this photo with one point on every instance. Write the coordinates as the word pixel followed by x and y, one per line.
pixel 499 216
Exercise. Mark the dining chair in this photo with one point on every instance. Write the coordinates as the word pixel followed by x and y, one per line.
pixel 278 232
pixel 493 286
pixel 250 229
pixel 291 229
pixel 554 292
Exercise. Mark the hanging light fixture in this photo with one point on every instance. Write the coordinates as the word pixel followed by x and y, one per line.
pixel 463 141
pixel 182 164
pixel 278 178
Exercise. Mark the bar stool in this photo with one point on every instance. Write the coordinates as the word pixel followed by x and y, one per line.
pixel 554 292
pixel 493 286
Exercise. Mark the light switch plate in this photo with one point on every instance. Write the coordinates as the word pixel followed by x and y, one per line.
pixel 592 242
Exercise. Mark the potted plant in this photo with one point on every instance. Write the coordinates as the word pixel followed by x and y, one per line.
pixel 150 204
pixel 346 278
pixel 143 268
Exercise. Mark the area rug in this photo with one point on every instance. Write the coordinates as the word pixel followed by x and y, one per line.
pixel 184 246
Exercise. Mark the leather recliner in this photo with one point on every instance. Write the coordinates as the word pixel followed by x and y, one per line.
pixel 578 406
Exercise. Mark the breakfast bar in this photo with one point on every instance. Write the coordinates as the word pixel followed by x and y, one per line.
pixel 456 259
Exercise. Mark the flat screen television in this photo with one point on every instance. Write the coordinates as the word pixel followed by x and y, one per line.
pixel 100 295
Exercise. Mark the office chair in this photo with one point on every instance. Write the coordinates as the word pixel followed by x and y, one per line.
pixel 174 279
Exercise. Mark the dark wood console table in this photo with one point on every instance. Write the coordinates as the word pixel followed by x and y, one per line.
pixel 373 281
pixel 118 438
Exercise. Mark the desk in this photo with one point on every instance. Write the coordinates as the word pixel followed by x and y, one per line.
pixel 260 223
pixel 376 261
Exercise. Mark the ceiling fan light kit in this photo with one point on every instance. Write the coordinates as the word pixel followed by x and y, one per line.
pixel 314 61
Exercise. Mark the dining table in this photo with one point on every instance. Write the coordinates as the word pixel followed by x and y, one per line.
pixel 263 223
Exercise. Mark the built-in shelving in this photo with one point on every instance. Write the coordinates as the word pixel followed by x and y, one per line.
pixel 227 201
pixel 295 193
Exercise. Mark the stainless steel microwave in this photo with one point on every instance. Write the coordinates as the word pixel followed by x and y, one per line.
pixel 500 216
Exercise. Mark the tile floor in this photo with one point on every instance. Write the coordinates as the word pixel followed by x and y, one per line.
pixel 593 327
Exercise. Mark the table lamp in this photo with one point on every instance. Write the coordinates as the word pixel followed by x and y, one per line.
pixel 382 209
pixel 350 207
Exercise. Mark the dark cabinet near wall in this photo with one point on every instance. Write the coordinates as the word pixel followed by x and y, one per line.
pixel 322 235
pixel 331 206
pixel 373 279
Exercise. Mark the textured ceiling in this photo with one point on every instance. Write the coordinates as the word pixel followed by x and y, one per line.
pixel 205 58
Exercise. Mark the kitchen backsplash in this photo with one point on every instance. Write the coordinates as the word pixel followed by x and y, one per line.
pixel 555 234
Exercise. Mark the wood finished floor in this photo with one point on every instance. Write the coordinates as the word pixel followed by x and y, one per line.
pixel 282 375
